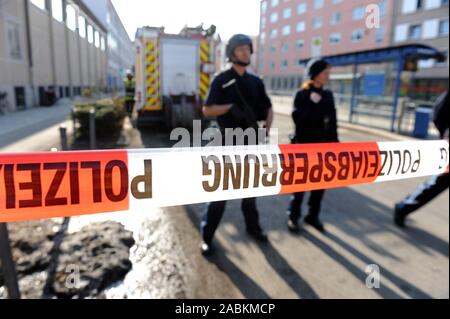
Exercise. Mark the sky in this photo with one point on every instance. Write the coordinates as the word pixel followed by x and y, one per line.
pixel 229 16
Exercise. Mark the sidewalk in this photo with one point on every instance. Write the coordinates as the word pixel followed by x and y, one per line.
pixel 30 129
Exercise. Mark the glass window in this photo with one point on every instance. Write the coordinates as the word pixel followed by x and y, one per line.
pixel 39 3
pixel 264 7
pixel 71 17
pixel 285 47
pixel 82 26
pixel 336 1
pixel 274 3
pixel 286 30
pixel 287 13
pixel 301 8
pixel 317 22
pixel 97 39
pixel 301 26
pixel 359 13
pixel 335 38
pixel 299 44
pixel 57 10
pixel 443 27
pixel 357 35
pixel 274 17
pixel 102 43
pixel 415 32
pixel 335 18
pixel 318 4
pixel 273 33
pixel 379 35
pixel 14 43
pixel 90 34
pixel 284 64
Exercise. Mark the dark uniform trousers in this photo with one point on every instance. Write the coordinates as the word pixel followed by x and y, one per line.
pixel 424 193
pixel 295 207
pixel 214 213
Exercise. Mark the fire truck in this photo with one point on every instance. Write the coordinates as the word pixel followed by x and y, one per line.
pixel 173 73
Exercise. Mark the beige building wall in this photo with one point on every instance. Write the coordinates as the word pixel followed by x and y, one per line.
pixel 60 57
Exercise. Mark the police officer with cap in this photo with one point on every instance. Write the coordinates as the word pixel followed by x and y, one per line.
pixel 315 122
pixel 238 100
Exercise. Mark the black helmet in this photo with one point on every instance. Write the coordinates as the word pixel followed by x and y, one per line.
pixel 236 41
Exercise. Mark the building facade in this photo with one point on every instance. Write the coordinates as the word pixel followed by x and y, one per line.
pixel 292 30
pixel 120 48
pixel 426 22
pixel 49 48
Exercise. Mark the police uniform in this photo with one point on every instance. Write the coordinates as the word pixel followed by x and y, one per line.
pixel 231 88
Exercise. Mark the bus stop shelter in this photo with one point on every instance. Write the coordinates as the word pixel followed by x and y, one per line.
pixel 405 57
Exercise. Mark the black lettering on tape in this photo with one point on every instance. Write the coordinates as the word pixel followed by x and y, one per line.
pixel 50 198
pixel 34 185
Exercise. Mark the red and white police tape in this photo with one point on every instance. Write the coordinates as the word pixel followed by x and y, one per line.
pixel 59 184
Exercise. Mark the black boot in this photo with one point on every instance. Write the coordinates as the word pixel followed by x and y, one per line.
pixel 258 235
pixel 206 249
pixel 315 222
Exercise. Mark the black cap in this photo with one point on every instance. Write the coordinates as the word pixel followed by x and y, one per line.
pixel 316 67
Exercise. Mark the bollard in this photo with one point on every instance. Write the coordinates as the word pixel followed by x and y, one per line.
pixel 63 136
pixel 92 128
pixel 8 268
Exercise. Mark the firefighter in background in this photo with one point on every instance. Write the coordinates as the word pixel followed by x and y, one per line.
pixel 238 100
pixel 130 85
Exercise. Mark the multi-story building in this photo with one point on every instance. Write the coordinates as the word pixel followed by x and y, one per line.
pixel 120 49
pixel 49 47
pixel 426 22
pixel 294 30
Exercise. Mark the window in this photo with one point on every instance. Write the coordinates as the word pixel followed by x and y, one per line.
pixel 415 32
pixel 286 30
pixel 57 10
pixel 299 44
pixel 301 26
pixel 71 18
pixel 318 4
pixel 379 35
pixel 383 8
pixel 90 34
pixel 39 3
pixel 357 35
pixel 274 33
pixel 430 29
pixel 335 38
pixel 425 64
pixel 82 26
pixel 443 28
pixel 287 13
pixel 284 64
pixel 274 3
pixel 262 38
pixel 264 7
pixel 285 47
pixel 102 43
pixel 272 65
pixel 401 32
pixel 97 39
pixel 301 8
pixel 273 49
pixel 263 22
pixel 335 18
pixel 359 13
pixel 317 22
pixel 410 6
pixel 13 36
pixel 432 4
pixel 336 1
pixel 274 17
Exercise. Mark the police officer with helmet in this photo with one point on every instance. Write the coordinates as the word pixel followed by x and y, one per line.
pixel 238 100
